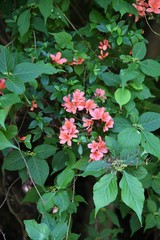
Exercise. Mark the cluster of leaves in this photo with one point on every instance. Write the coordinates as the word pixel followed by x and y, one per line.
pixel 31 115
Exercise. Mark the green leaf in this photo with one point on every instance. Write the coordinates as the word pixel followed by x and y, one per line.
pixel 63 39
pixel 4 143
pixel 44 151
pixel 36 231
pixel 127 75
pixel 151 143
pixel 110 79
pixel 152 206
pixel 150 121
pixel 6 60
pixel 150 67
pixel 96 168
pixel 134 224
pixel 45 9
pixel 32 195
pixel 120 124
pixel 13 161
pixel 39 170
pixel 139 50
pixel 139 172
pixel 132 193
pixel 24 22
pixel 62 201
pixel 49 202
pixel 105 191
pixel 129 137
pixel 9 99
pixel 15 85
pixel 65 178
pixel 11 131
pixel 59 231
pixel 122 96
pixel 59 160
pixel 3 115
pixel 103 3
pixel 156 183
pixel 150 221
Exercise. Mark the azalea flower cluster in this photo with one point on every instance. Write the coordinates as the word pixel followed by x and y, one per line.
pixel 92 116
pixel 57 58
pixel 153 6
pixel 103 46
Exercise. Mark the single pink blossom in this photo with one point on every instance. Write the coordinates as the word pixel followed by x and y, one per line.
pixel 2 83
pixel 79 99
pixel 154 6
pixel 89 105
pixel 68 105
pixel 108 125
pixel 97 113
pixel 88 123
pixel 57 58
pixel 100 93
pixel 104 45
pixel 97 149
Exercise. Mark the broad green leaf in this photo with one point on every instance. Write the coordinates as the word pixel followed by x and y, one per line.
pixel 152 206
pixel 48 219
pixel 96 168
pixel 65 178
pixel 139 50
pixel 103 3
pixel 123 7
pixel 122 96
pixel 113 217
pixel 59 231
pixel 49 202
pixel 32 195
pixel 24 22
pixel 139 172
pixel 95 16
pixel 63 39
pixel 127 75
pixel 132 193
pixel 39 170
pixel 36 231
pixel 4 143
pixel 134 224
pixel 105 191
pixel 9 99
pixel 45 9
pixel 62 201
pixel 150 221
pixel 26 72
pixel 11 131
pixel 110 79
pixel 15 85
pixel 151 144
pixel 6 60
pixel 120 123
pixel 129 137
pixel 150 121
pixel 3 115
pixel 59 160
pixel 150 67
pixel 44 151
pixel 14 161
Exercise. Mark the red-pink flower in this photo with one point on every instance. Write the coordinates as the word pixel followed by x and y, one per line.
pixel 79 99
pixel 89 105
pixel 103 55
pixel 100 93
pixel 154 6
pixel 68 105
pixel 97 149
pixel 77 62
pixel 141 6
pixel 23 138
pixel 34 105
pixel 88 123
pixel 97 113
pixel 57 58
pixel 108 124
pixel 104 45
pixel 68 131
pixel 2 83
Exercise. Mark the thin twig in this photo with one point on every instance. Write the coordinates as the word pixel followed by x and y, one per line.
pixel 72 200
pixel 3 235
pixel 30 176
pixel 8 192
pixel 151 27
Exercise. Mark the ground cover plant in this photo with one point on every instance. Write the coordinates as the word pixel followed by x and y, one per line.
pixel 79 111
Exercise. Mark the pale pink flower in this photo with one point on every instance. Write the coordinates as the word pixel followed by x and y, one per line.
pixel 141 6
pixel 108 125
pixel 100 93
pixel 154 6
pixel 97 113
pixel 104 45
pixel 105 117
pixel 93 146
pixel 68 105
pixel 97 149
pixel 88 123
pixel 102 146
pixel 89 105
pixel 95 156
pixel 57 58
pixel 79 99
pixel 65 138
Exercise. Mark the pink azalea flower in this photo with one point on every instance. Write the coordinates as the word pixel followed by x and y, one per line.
pixel 93 145
pixel 97 113
pixel 141 6
pixel 89 105
pixel 108 125
pixel 154 6
pixel 65 137
pixel 105 117
pixel 57 58
pixel 77 62
pixel 2 83
pixel 95 156
pixel 100 93
pixel 102 146
pixel 68 105
pixel 97 149
pixel 88 123
pixel 104 45
pixel 79 99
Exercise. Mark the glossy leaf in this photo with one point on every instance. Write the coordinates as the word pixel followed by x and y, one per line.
pixel 122 96
pixel 150 67
pixel 150 121
pixel 139 50
pixel 14 161
pixel 129 137
pixel 36 231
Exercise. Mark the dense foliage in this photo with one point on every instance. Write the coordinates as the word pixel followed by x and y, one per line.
pixel 79 98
